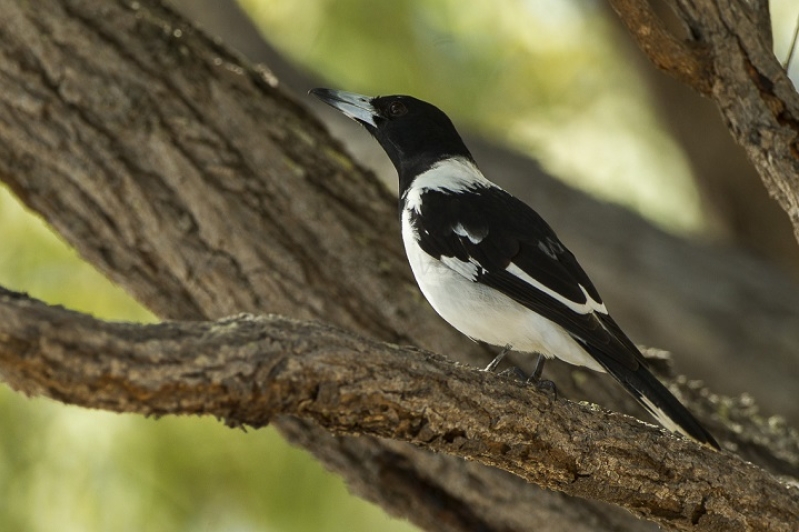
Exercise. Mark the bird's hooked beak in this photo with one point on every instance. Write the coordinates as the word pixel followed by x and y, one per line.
pixel 356 106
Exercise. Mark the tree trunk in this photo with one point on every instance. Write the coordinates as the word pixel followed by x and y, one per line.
pixel 194 182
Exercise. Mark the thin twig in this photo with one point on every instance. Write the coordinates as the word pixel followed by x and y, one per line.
pixel 792 48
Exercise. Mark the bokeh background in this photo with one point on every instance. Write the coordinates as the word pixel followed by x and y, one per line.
pixel 555 79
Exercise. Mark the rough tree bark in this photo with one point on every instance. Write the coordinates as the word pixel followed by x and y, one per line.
pixel 247 370
pixel 194 182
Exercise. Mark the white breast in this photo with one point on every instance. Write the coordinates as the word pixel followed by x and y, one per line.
pixel 482 313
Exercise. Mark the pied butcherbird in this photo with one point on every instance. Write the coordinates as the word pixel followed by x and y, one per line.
pixel 489 264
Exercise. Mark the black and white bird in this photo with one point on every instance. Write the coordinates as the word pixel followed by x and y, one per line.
pixel 489 264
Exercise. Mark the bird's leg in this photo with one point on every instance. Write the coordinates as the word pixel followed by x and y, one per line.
pixel 494 363
pixel 535 377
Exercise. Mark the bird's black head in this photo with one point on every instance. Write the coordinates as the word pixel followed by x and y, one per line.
pixel 414 134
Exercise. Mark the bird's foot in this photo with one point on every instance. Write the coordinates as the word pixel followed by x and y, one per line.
pixel 542 385
pixel 546 386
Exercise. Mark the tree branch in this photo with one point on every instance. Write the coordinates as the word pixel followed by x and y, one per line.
pixel 203 189
pixel 684 60
pixel 247 369
pixel 750 87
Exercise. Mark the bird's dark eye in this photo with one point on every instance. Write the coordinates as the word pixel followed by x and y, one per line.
pixel 396 108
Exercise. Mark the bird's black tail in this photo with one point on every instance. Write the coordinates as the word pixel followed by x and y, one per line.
pixel 658 400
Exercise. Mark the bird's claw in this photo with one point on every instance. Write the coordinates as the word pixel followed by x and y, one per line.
pixel 546 386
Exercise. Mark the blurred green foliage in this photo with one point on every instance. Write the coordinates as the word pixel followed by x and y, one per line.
pixel 68 469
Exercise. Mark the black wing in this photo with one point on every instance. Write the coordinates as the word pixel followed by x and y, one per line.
pixel 493 230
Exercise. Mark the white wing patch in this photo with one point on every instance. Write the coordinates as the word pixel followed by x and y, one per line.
pixel 470 269
pixel 473 238
pixel 424 266
pixel 590 306
pixel 593 304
